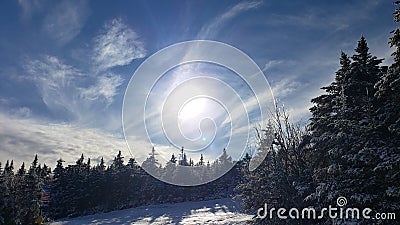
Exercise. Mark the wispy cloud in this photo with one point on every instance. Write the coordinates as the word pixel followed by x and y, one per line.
pixel 273 63
pixel 21 138
pixel 56 82
pixel 220 20
pixel 77 94
pixel 329 19
pixel 117 45
pixel 66 20
pixel 70 92
pixel 308 20
pixel 105 87
pixel 285 87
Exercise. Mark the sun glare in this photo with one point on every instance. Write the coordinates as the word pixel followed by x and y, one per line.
pixel 192 108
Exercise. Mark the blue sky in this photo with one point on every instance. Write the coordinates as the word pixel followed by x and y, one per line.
pixel 65 65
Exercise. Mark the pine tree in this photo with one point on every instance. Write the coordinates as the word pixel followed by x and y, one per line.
pixel 35 162
pixel 2 195
pixel 388 90
pixel 201 162
pixel 343 136
pixel 59 170
pixel 224 164
pixel 169 169
pixel 191 162
pixel 183 159
pixel 359 84
pixel 45 172
pixel 22 170
pixel 183 173
pixel 88 164
pixel 325 127
pixel 102 165
pixel 9 202
pixel 33 193
pixel 387 124
pixel 79 162
pixel 353 156
pixel 9 169
pixel 151 164
pixel 118 162
pixel 58 191
pixel 132 164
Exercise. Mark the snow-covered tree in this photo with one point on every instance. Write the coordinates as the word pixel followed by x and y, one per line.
pixel 282 177
pixel 387 124
pixel 151 163
pixel 345 138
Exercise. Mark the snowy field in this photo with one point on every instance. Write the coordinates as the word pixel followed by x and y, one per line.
pixel 220 211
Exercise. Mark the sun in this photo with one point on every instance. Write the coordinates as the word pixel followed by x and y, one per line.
pixel 192 108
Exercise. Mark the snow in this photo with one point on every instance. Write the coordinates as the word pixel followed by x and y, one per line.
pixel 219 211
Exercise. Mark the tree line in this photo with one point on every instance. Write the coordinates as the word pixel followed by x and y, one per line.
pixel 38 194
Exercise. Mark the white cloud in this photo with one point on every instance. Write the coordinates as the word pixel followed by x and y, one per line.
pixel 66 20
pixel 56 82
pixel 272 63
pixel 20 139
pixel 327 19
pixel 311 19
pixel 23 112
pixel 69 92
pixel 285 87
pixel 106 87
pixel 4 101
pixel 219 21
pixel 299 113
pixel 117 45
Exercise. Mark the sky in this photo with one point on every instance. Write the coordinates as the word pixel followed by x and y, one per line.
pixel 65 65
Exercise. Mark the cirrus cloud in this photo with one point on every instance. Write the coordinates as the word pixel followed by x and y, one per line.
pixel 70 92
pixel 117 45
pixel 20 138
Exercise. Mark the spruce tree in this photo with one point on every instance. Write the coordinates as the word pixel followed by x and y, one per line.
pixel 2 195
pixel 343 135
pixel 151 164
pixel 387 124
pixel 9 203
pixel 34 190
pixel 102 166
pixel 324 128
pixel 22 170
pixel 58 192
pixel 388 90
pixel 170 168
pixel 201 162
pixel 118 162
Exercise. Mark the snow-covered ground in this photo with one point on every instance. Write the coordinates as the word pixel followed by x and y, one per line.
pixel 219 211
